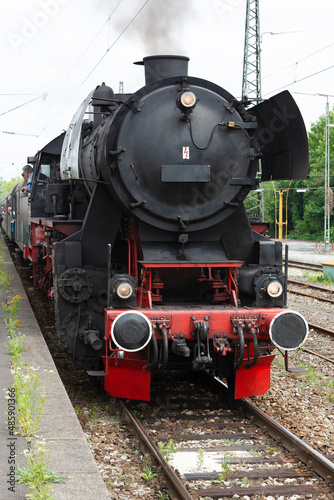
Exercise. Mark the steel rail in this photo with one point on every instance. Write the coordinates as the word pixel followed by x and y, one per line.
pixel 319 355
pixel 307 454
pixel 305 265
pixel 320 329
pixel 310 285
pixel 176 488
pixel 305 294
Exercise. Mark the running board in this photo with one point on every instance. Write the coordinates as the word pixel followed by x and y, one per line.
pixel 97 373
pixel 292 370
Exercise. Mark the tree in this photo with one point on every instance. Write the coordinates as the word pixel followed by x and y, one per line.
pixel 305 209
pixel 6 186
pixel 310 226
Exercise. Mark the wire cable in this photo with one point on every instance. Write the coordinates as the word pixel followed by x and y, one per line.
pixel 112 45
pixel 301 79
pixel 91 43
pixel 297 62
pixel 17 133
pixel 20 106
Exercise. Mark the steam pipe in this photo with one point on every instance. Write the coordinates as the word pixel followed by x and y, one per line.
pixel 163 365
pixel 154 361
pixel 256 350
pixel 238 363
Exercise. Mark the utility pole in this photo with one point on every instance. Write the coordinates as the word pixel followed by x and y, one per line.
pixel 251 77
pixel 327 207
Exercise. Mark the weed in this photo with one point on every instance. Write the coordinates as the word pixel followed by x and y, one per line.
pixel 245 481
pixel 200 459
pixel 36 475
pixel 5 280
pixel 31 397
pixel 232 442
pixel 10 311
pixel 167 449
pixel 256 453
pixel 148 474
pixel 224 475
pixel 93 415
pixel 319 278
pixel 162 496
pixel 15 346
pixel 330 391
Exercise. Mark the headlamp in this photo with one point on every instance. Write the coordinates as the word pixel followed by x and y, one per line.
pixel 274 289
pixel 124 290
pixel 188 99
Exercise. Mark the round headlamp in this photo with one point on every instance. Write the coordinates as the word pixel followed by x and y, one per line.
pixel 124 290
pixel 188 99
pixel 274 289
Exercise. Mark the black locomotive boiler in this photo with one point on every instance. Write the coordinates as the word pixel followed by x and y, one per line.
pixel 138 233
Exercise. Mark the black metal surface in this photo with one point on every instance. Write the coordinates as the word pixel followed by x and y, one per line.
pixel 282 137
pixel 289 330
pixel 158 67
pixel 149 132
pixel 131 331
pixel 185 173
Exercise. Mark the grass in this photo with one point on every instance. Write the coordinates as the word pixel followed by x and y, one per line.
pixel 30 393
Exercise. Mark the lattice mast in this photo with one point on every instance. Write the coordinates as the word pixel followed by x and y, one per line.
pixel 251 79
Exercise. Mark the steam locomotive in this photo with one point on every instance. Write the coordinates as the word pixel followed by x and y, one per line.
pixel 137 231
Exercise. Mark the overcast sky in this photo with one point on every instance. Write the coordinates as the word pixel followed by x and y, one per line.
pixel 54 52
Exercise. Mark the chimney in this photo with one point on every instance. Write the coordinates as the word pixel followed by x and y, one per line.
pixel 158 67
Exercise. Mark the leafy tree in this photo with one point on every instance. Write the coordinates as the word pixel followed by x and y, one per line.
pixel 6 186
pixel 305 211
pixel 311 224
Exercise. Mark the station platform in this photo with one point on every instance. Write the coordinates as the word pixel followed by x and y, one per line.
pixel 307 251
pixel 70 454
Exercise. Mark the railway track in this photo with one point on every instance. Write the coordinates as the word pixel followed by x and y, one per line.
pixel 305 265
pixel 219 449
pixel 319 293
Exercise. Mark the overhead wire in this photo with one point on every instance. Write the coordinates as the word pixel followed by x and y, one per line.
pixel 297 62
pixel 95 37
pixel 108 49
pixel 17 133
pixel 21 105
pixel 112 45
pixel 301 79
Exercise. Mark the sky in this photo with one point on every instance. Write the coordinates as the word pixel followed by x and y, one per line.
pixel 54 52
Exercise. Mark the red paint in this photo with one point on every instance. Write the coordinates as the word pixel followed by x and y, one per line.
pixel 127 379
pixel 253 381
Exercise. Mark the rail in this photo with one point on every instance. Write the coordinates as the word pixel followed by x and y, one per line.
pixel 176 489
pixel 323 466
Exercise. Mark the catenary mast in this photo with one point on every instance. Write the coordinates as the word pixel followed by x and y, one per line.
pixel 251 78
